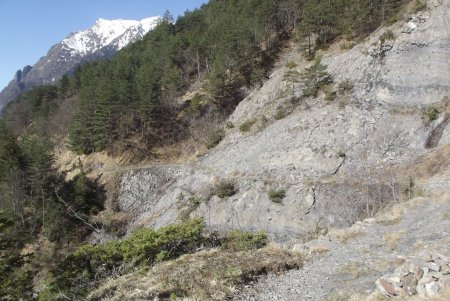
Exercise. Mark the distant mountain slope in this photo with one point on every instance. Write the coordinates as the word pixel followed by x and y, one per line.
pixel 100 41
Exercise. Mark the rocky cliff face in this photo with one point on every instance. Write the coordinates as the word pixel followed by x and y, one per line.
pixel 100 41
pixel 337 161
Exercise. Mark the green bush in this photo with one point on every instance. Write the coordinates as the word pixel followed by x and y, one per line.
pixel 276 195
pixel 247 125
pixel 76 274
pixel 347 45
pixel 418 5
pixel 225 189
pixel 345 86
pixel 281 113
pixel 330 94
pixel 387 35
pixel 214 138
pixel 432 113
pixel 244 241
pixel 314 78
pixel 291 64
pixel 196 105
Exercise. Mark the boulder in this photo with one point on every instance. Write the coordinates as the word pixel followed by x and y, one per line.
pixel 386 288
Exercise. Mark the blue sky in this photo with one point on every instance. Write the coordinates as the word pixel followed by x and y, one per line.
pixel 28 28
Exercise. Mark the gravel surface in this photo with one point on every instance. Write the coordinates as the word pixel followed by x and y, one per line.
pixel 377 246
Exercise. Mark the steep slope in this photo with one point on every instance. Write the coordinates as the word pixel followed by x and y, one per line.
pixel 337 161
pixel 100 41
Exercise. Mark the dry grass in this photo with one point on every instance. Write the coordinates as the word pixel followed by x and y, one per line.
pixel 392 217
pixel 207 275
pixel 385 264
pixel 343 235
pixel 392 239
pixel 355 269
pixel 445 215
pixel 319 249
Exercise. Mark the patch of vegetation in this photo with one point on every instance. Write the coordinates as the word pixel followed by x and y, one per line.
pixel 83 269
pixel 214 138
pixel 247 125
pixel 293 77
pixel 391 240
pixel 355 269
pixel 281 112
pixel 345 86
pixel 387 35
pixel 206 275
pixel 244 241
pixel 276 195
pixel 188 206
pixel 432 113
pixel 264 121
pixel 418 5
pixel 343 235
pixel 348 45
pixel 225 189
pixel 291 65
pixel 197 104
pixel 229 125
pixel 90 265
pixel 330 94
pixel 314 78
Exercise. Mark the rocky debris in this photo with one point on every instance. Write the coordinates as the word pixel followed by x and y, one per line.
pixel 413 23
pixel 334 268
pixel 409 27
pixel 380 49
pixel 425 276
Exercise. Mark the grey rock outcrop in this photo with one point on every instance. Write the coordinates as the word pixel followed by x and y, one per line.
pixel 425 276
pixel 339 161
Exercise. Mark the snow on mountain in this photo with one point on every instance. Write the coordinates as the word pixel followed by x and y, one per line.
pixel 102 40
pixel 104 32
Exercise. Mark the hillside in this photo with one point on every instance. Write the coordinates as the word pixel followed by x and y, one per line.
pixel 298 151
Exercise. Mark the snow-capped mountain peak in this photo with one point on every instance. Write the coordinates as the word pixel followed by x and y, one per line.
pixel 100 41
pixel 105 32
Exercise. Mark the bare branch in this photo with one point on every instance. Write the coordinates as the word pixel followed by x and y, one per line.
pixel 96 230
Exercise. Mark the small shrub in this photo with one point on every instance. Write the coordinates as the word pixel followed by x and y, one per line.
pixel 387 35
pixel 247 125
pixel 196 105
pixel 330 95
pixel 229 125
pixel 345 86
pixel 347 45
pixel 291 64
pixel 418 5
pixel 214 138
pixel 314 78
pixel 432 113
pixel 79 271
pixel 225 189
pixel 187 207
pixel 276 195
pixel 244 241
pixel 281 113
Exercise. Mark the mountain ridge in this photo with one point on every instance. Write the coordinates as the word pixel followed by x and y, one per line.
pixel 101 40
